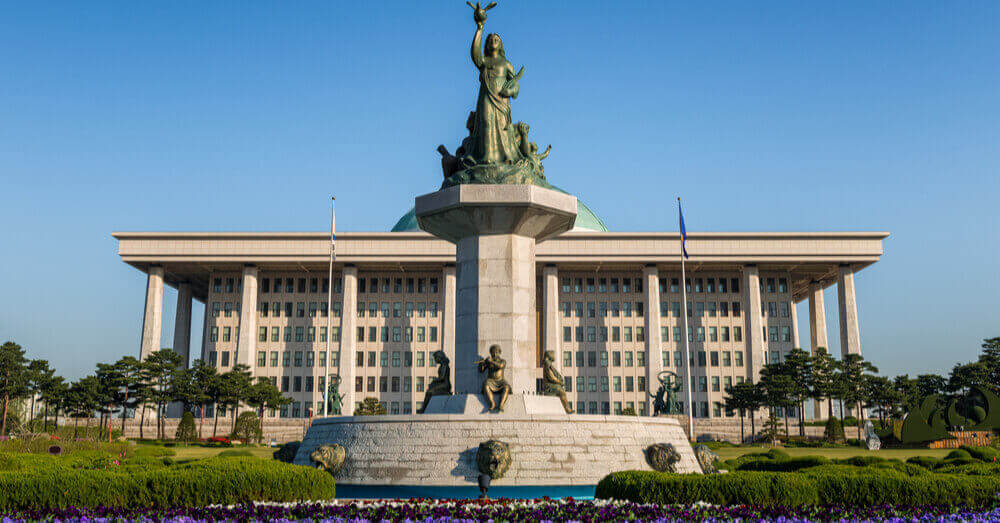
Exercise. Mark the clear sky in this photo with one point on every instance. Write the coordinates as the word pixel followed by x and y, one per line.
pixel 763 116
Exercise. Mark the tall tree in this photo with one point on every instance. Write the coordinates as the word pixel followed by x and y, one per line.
pixel 51 391
pixel 824 377
pixel 160 367
pixel 235 388
pixel 853 369
pixel 207 378
pixel 743 397
pixel 112 380
pixel 263 394
pixel 130 393
pixel 83 399
pixel 798 367
pixel 776 389
pixel 881 394
pixel 990 357
pixel 931 384
pixel 38 374
pixel 14 377
pixel 909 394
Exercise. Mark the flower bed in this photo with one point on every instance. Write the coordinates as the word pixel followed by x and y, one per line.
pixel 505 510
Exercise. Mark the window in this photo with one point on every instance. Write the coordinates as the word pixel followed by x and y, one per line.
pixel 702 383
pixel 299 334
pixel 640 334
pixel 628 384
pixel 727 359
pixel 409 285
pixel 785 309
pixel 420 384
pixel 615 334
pixel 590 285
pixel 604 358
pixel 579 334
pixel 734 284
pixel 604 334
pixel 434 285
pixel 713 334
pixel 311 334
pixel 592 359
pixel 578 306
pixel 395 358
pixel 384 358
pixel 628 358
pixel 566 285
pixel 434 334
pixel 715 384
pixel 737 333
pixel 284 384
pixel 310 358
pixel 298 358
pixel 592 334
pixel 714 358
pixel 300 309
pixel 592 383
pixel 604 383
pixel 616 358
pixel 312 309
pixel 591 310
pixel 772 334
pixel 641 380
pixel 274 358
pixel 567 359
pixel 261 358
pixel 786 334
pixel 628 333
pixel 782 285
pixel 421 334
pixel 371 358
pixel 739 358
pixel 579 384
pixel 420 358
pixel 701 358
pixel 297 384
pixel 226 334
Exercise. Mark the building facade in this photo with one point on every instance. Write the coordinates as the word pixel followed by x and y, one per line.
pixel 608 305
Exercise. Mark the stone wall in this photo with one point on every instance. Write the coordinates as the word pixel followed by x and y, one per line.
pixel 438 449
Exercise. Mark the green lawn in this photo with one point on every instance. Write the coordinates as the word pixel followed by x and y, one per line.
pixel 734 452
pixel 183 453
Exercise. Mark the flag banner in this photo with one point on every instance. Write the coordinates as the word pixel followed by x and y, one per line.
pixel 684 234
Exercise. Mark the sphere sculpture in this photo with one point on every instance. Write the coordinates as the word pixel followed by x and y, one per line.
pixel 662 457
pixel 329 458
pixel 493 458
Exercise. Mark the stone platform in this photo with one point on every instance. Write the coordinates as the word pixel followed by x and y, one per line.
pixel 440 449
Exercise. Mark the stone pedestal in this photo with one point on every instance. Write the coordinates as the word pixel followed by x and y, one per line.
pixel 495 229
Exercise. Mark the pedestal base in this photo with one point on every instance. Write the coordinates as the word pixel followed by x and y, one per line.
pixel 475 405
pixel 440 449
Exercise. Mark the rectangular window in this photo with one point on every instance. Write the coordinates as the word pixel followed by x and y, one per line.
pixel 604 383
pixel 420 384
pixel 579 334
pixel 592 359
pixel 396 358
pixel 299 334
pixel 579 384
pixel 616 334
pixel 434 334
pixel 640 334
pixel 714 358
pixel 592 334
pixel 786 334
pixel 311 334
pixel 713 334
pixel 727 359
pixel 226 334
pixel 739 358
pixel 629 387
pixel 567 359
pixel 604 358
pixel 604 334
pixel 421 334
pixel 737 333
pixel 420 358
pixel 592 383
pixel 261 358
pixel 725 333
pixel 628 333
pixel 384 359
pixel 628 358
pixel 566 285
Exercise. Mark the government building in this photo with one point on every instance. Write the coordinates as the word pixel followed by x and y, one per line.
pixel 608 305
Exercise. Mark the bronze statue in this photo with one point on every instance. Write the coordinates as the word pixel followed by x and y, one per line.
pixel 496 151
pixel 441 385
pixel 494 382
pixel 336 398
pixel 552 381
pixel 665 399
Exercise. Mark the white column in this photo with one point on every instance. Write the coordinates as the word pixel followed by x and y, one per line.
pixel 152 318
pixel 246 345
pixel 850 333
pixel 755 324
pixel 550 313
pixel 795 325
pixel 817 317
pixel 817 335
pixel 348 339
pixel 182 323
pixel 448 317
pixel 654 345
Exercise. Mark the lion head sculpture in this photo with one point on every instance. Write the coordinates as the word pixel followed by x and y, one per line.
pixel 329 457
pixel 662 457
pixel 493 458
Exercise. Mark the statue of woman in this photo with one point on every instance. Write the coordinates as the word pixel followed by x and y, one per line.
pixel 493 139
pixel 441 385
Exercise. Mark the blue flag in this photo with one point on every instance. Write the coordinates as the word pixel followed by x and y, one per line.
pixel 684 234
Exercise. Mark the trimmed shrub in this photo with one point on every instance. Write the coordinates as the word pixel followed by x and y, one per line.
pixel 734 488
pixel 235 454
pixel 784 465
pixel 286 452
pixel 988 454
pixel 210 481
pixel 826 485
pixel 247 428
pixel 150 451
pixel 186 429
pixel 834 430
pixel 958 454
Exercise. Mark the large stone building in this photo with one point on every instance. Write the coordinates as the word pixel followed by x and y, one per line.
pixel 609 305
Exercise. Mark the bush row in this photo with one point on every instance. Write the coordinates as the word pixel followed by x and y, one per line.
pixel 209 481
pixel 793 489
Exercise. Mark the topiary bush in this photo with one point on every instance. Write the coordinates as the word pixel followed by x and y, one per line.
pixel 224 481
pixel 286 452
pixel 826 485
pixel 987 454
pixel 233 453
pixel 834 430
pixel 186 429
pixel 247 428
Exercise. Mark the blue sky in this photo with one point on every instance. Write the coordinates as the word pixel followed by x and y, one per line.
pixel 764 116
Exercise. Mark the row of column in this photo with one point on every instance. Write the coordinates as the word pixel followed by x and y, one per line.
pixel 850 339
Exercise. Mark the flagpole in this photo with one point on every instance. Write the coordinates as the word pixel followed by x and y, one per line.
pixel 685 334
pixel 329 306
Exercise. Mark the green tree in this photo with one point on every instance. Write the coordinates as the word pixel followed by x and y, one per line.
pixel 743 398
pixel 853 369
pixel 130 395
pixel 990 358
pixel 112 380
pixel 909 394
pixel 798 367
pixel 776 389
pixel 370 407
pixel 931 384
pixel 38 374
pixel 235 388
pixel 824 383
pixel 247 428
pixel 53 394
pixel 207 377
pixel 881 393
pixel 963 377
pixel 160 367
pixel 264 395
pixel 82 400
pixel 185 429
pixel 14 377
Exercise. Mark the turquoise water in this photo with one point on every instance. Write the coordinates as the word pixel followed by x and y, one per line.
pixel 469 492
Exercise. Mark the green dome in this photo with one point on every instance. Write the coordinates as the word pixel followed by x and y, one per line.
pixel 585 219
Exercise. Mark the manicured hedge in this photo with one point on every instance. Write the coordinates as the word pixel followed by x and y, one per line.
pixel 874 487
pixel 200 483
